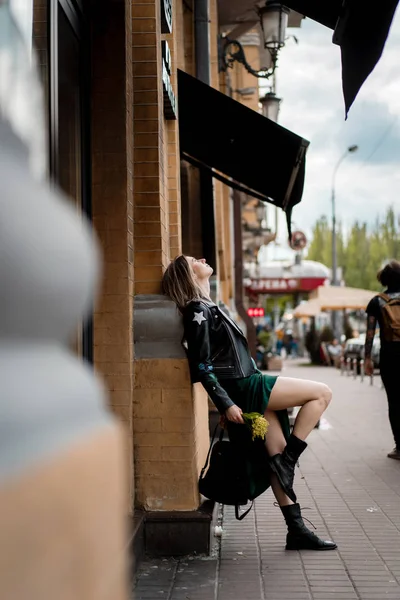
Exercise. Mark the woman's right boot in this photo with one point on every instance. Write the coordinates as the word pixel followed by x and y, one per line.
pixel 299 537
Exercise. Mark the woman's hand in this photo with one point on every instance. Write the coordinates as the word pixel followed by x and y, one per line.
pixel 234 414
pixel 369 366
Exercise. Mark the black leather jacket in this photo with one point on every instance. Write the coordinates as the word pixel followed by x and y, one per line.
pixel 217 349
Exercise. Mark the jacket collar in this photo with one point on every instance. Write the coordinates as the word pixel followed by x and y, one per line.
pixel 227 318
pixel 223 314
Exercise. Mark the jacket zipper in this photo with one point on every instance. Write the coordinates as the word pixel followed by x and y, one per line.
pixel 216 355
pixel 235 350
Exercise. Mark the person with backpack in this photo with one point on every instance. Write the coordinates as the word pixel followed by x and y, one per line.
pixel 384 310
pixel 219 358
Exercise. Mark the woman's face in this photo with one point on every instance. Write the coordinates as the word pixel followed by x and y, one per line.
pixel 200 267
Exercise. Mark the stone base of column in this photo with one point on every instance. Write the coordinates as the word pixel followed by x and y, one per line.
pixel 178 533
pixel 136 549
pixel 170 434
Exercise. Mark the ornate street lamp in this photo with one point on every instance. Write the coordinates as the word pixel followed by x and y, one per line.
pixel 270 104
pixel 261 212
pixel 273 20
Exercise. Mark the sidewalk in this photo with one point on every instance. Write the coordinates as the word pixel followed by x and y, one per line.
pixel 353 493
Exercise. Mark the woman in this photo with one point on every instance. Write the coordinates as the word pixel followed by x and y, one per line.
pixel 219 357
pixel 385 310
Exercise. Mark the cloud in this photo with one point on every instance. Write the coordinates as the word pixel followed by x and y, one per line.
pixel 309 82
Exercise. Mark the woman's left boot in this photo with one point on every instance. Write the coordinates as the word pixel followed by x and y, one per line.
pixel 299 537
pixel 283 465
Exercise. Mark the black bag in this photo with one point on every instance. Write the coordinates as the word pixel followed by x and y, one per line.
pixel 226 481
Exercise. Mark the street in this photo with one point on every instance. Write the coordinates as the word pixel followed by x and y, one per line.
pixel 346 486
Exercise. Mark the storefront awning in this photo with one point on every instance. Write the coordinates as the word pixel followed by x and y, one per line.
pixel 308 309
pixel 340 297
pixel 360 30
pixel 328 297
pixel 242 148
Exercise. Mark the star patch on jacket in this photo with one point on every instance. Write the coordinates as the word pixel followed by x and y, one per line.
pixel 199 317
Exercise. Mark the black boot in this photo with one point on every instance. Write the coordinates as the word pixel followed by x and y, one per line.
pixel 283 465
pixel 299 537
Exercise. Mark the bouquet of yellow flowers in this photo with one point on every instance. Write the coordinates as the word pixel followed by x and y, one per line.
pixel 257 424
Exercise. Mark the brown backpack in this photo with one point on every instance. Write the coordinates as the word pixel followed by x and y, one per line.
pixel 390 318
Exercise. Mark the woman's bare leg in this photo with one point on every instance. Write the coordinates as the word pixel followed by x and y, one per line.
pixel 275 443
pixel 274 440
pixel 312 396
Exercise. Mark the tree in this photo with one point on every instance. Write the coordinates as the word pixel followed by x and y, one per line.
pixel 321 240
pixel 320 248
pixel 364 251
pixel 357 257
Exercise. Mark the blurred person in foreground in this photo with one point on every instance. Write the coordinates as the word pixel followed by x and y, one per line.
pixel 384 310
pixel 63 493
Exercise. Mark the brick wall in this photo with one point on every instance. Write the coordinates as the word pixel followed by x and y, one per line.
pixel 150 202
pixel 222 208
pixel 170 423
pixel 112 207
pixel 171 137
pixel 242 79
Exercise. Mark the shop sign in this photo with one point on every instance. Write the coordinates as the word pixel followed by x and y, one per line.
pixel 166 16
pixel 274 285
pixel 168 92
pixel 282 285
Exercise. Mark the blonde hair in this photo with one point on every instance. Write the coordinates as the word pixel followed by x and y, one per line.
pixel 179 282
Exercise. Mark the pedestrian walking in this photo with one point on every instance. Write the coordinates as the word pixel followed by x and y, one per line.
pixel 220 359
pixel 384 310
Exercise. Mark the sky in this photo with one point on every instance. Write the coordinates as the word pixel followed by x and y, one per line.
pixel 309 83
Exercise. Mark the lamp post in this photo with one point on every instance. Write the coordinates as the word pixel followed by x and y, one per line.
pixel 350 150
pixel 273 19
pixel 270 104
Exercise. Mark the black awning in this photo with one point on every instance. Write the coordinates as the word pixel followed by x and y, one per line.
pixel 243 148
pixel 361 31
pixel 325 12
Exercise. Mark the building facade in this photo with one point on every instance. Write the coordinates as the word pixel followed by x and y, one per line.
pixel 124 82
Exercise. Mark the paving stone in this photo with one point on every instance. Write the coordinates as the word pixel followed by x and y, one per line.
pixel 352 492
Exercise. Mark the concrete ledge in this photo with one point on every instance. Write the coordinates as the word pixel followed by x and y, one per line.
pixel 178 533
pixel 157 328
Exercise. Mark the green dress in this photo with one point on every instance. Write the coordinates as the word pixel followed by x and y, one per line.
pixel 252 394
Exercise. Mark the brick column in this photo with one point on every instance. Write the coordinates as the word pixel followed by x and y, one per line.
pixel 172 139
pixel 223 209
pixel 169 414
pixel 113 209
pixel 150 203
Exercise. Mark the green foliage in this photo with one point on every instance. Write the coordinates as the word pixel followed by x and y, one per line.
pixel 361 255
pixel 282 301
